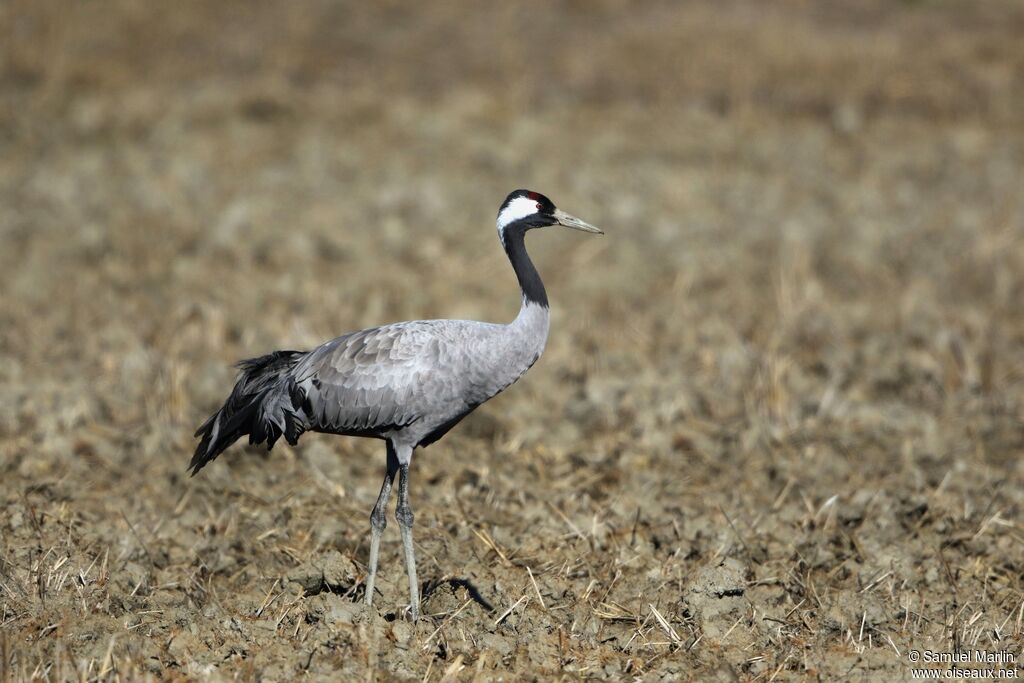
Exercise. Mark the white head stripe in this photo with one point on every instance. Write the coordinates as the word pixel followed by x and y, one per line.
pixel 520 207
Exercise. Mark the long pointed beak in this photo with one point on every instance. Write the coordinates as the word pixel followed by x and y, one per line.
pixel 569 221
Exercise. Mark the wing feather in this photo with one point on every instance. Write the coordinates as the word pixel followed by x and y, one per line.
pixel 384 377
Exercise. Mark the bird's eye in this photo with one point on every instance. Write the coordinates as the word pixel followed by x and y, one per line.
pixel 538 207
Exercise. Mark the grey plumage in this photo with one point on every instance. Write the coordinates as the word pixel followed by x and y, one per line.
pixel 404 381
pixel 407 383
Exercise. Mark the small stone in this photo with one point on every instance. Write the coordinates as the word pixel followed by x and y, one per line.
pixel 333 571
pixel 342 611
pixel 402 631
pixel 715 597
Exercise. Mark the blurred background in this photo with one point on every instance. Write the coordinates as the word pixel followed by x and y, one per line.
pixel 792 370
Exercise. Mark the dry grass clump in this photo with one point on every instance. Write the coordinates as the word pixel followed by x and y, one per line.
pixel 777 431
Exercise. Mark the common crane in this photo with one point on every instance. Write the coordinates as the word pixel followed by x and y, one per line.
pixel 407 383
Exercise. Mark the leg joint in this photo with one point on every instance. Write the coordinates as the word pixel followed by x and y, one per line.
pixel 378 519
pixel 405 516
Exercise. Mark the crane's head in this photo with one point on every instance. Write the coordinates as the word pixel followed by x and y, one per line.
pixel 525 210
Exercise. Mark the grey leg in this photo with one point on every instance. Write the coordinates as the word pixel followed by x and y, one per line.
pixel 378 520
pixel 405 519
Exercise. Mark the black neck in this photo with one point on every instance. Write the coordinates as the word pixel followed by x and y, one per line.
pixel 529 278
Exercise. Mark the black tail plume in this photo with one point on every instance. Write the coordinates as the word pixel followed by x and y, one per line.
pixel 266 403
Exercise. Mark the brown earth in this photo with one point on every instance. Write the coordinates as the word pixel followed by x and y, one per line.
pixel 777 433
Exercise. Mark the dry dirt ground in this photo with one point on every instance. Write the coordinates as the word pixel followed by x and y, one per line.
pixel 777 433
